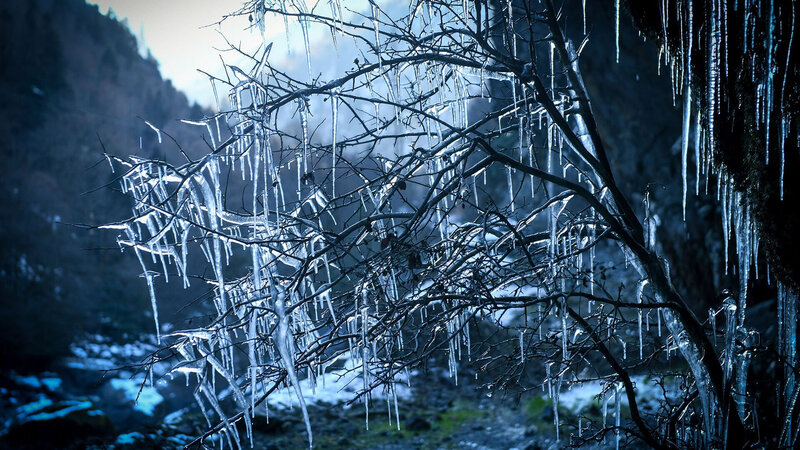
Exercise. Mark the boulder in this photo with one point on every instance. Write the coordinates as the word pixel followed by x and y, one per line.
pixel 58 425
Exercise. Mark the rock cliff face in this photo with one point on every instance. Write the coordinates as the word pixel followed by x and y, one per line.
pixel 745 67
pixel 73 85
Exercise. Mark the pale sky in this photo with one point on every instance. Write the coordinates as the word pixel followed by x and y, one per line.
pixel 175 34
pixel 178 36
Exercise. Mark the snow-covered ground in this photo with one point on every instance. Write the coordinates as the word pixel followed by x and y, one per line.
pixel 337 386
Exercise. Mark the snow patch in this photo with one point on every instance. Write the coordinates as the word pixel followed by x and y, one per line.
pixel 129 438
pixel 145 398
pixel 30 408
pixel 29 381
pixel 51 383
pixel 71 406
pixel 334 387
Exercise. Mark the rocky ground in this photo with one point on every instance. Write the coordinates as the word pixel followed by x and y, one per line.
pixel 88 402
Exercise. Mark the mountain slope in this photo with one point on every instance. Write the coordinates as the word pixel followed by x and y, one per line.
pixel 72 85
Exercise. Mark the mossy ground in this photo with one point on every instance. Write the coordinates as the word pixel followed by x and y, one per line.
pixel 422 426
pixel 460 418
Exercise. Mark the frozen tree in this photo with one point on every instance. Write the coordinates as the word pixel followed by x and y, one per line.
pixel 452 177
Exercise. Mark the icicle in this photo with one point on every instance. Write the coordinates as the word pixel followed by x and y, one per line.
pixel 377 34
pixel 284 341
pixel 787 337
pixel 251 338
pixel 540 319
pixel 564 335
pixel 692 356
pixel 783 153
pixel 616 27
pixel 712 321
pixel 554 391
pixel 303 21
pixel 510 188
pixel 687 112
pixel 697 151
pixel 770 75
pixel 713 61
pixel 658 316
pixel 153 303
pixel 617 410
pixel 740 394
pixel 583 6
pixel 334 124
pixel 552 74
pixel 158 132
pixel 639 298
pixel 784 119
pixel 730 337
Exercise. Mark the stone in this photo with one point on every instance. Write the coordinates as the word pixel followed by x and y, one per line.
pixel 61 424
pixel 418 423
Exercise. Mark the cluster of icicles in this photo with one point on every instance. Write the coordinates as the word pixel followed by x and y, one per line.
pixel 738 224
pixel 176 206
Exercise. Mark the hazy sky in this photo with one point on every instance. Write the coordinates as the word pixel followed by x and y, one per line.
pixel 178 34
pixel 175 34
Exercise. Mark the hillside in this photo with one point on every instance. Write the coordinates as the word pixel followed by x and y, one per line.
pixel 77 87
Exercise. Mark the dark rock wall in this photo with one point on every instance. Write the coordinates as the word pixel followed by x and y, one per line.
pixel 740 139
